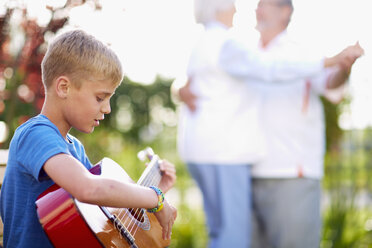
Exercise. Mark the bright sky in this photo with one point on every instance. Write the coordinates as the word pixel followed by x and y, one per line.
pixel 154 37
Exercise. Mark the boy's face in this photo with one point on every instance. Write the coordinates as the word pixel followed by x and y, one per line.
pixel 85 107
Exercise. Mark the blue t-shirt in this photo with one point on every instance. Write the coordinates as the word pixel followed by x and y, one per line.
pixel 33 143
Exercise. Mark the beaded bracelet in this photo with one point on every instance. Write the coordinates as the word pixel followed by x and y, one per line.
pixel 160 200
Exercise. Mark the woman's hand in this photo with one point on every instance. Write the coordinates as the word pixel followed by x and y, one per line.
pixel 187 97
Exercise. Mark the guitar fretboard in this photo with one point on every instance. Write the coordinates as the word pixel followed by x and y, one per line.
pixel 152 174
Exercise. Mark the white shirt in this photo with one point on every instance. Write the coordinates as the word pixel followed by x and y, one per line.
pixel 291 114
pixel 224 129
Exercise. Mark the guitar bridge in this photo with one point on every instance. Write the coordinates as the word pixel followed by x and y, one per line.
pixel 120 227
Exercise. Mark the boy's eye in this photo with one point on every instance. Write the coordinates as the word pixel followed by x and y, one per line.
pixel 99 99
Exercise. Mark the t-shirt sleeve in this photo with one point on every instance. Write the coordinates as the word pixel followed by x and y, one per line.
pixel 79 152
pixel 85 160
pixel 37 145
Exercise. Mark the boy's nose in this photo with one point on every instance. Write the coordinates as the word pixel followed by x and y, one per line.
pixel 106 108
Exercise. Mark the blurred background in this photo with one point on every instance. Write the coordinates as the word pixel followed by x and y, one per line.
pixel 153 39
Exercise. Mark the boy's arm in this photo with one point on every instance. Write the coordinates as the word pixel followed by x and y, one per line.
pixel 89 188
pixel 93 189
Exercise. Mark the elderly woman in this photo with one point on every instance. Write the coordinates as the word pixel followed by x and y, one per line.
pixel 216 131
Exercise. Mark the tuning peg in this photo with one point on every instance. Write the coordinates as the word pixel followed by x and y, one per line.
pixel 145 153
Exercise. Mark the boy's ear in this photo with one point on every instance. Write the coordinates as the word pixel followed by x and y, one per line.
pixel 62 86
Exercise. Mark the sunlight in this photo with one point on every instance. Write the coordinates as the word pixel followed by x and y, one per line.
pixel 155 37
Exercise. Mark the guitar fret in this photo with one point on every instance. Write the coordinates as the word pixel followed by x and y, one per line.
pixel 152 173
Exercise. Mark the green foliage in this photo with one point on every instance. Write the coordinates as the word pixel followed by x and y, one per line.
pixel 144 115
pixel 189 229
pixel 22 48
pixel 333 131
pixel 347 218
pixel 16 111
pixel 346 173
pixel 140 111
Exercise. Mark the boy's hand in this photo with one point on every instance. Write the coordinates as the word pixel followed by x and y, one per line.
pixel 166 218
pixel 169 175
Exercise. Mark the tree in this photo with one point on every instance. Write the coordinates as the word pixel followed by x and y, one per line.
pixel 22 47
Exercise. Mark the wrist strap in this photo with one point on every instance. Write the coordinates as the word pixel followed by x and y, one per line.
pixel 160 195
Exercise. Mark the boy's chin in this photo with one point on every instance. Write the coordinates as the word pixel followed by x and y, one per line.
pixel 87 131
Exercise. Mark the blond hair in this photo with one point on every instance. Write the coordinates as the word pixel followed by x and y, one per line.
pixel 79 55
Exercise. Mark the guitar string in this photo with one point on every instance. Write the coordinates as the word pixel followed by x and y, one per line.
pixel 124 210
pixel 150 181
pixel 153 180
pixel 138 209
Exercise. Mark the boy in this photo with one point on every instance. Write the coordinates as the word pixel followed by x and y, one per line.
pixel 80 74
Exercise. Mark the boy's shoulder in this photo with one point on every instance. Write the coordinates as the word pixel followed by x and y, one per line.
pixel 33 124
pixel 34 121
pixel 40 124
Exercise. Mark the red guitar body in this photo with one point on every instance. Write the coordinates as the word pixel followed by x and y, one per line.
pixel 70 223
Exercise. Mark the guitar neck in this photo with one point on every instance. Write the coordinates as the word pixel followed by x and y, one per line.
pixel 152 174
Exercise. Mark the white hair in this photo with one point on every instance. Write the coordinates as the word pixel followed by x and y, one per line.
pixel 287 2
pixel 290 5
pixel 205 10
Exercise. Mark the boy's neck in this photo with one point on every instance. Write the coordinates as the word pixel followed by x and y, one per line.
pixel 50 110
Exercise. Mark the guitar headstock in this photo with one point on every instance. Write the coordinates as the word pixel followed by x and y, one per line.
pixel 152 167
pixel 146 153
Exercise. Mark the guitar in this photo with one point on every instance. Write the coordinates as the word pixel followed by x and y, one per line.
pixel 70 223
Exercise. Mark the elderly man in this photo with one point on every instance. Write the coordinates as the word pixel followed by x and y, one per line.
pixel 286 184
pixel 219 132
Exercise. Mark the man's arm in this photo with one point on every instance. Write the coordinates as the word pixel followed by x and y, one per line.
pixel 244 62
pixel 337 78
pixel 343 70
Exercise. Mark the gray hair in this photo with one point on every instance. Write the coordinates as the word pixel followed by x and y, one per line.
pixel 286 2
pixel 290 5
pixel 205 10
